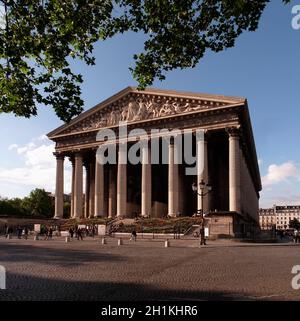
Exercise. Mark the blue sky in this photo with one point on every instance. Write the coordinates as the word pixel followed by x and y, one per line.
pixel 263 67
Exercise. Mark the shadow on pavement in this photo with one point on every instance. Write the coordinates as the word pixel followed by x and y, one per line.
pixel 29 288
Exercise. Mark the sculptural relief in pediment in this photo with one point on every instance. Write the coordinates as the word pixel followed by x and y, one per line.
pixel 139 108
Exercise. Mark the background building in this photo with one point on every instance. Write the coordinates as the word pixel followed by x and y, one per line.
pixel 278 216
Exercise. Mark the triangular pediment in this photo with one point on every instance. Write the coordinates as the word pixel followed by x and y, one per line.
pixel 131 105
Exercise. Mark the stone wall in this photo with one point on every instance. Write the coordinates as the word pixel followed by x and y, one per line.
pixel 220 225
pixel 249 198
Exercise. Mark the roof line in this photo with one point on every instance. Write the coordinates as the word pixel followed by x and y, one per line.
pixel 131 89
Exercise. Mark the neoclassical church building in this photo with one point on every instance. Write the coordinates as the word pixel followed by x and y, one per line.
pixel 226 174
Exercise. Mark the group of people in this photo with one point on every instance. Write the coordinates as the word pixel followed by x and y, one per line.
pixel 79 233
pixel 48 233
pixel 22 232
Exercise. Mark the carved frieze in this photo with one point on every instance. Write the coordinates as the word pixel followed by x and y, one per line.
pixel 140 107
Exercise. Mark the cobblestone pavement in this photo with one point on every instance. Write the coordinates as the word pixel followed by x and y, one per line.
pixel 146 270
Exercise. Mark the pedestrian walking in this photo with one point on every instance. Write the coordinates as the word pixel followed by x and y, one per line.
pixel 19 232
pixel 26 233
pixel 175 231
pixel 133 235
pixel 46 233
pixel 297 236
pixel 50 233
pixel 79 234
pixel 7 231
pixel 202 236
pixel 76 231
pixel 71 232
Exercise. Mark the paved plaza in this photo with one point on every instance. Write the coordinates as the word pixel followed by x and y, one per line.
pixel 146 270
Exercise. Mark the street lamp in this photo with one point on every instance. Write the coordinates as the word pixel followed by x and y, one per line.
pixel 204 190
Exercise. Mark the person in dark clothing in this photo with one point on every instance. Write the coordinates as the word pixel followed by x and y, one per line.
pixel 79 234
pixel 133 235
pixel 45 231
pixel 7 231
pixel 202 236
pixel 71 232
pixel 175 231
pixel 50 233
pixel 26 233
pixel 19 232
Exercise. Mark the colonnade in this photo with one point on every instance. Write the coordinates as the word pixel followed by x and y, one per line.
pixel 95 202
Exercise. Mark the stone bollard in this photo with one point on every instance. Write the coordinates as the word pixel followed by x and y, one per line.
pixel 167 243
pixel 36 238
pixel 68 239
pixel 120 242
pixel 103 241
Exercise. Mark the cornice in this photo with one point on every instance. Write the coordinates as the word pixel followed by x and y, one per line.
pixel 152 100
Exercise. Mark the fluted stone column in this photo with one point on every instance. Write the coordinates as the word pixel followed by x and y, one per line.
pixel 72 187
pixel 122 182
pixel 112 192
pixel 146 181
pixel 173 181
pixel 92 190
pixel 202 172
pixel 234 172
pixel 78 186
pixel 99 188
pixel 59 189
pixel 87 190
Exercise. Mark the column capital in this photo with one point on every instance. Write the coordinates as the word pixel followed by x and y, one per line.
pixel 233 132
pixel 59 156
pixel 206 133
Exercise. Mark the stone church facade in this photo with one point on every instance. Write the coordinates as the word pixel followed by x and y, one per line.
pixel 226 152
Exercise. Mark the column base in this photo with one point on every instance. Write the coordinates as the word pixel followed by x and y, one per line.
pixel 172 215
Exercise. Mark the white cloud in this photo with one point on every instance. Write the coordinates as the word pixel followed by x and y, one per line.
pixel 281 173
pixel 12 147
pixel 37 170
pixel 43 138
pixel 281 185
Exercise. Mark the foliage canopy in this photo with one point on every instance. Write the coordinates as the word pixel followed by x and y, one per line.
pixel 39 37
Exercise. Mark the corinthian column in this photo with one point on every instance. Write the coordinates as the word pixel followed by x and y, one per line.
pixel 112 192
pixel 59 190
pixel 122 181
pixel 92 189
pixel 99 187
pixel 234 172
pixel 202 170
pixel 87 190
pixel 146 180
pixel 173 181
pixel 72 186
pixel 78 186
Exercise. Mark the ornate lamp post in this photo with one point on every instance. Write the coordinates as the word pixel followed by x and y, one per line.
pixel 204 190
